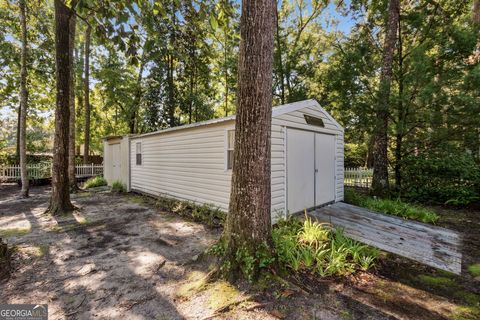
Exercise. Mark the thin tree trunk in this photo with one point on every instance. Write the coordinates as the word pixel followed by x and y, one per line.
pixel 225 66
pixel 475 57
pixel 476 12
pixel 23 101
pixel 60 200
pixel 248 227
pixel 86 150
pixel 17 147
pixel 71 138
pixel 279 55
pixel 401 114
pixel 380 184
pixel 138 96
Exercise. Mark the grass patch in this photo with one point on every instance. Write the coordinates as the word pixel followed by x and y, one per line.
pixel 466 313
pixel 14 232
pixel 318 248
pixel 97 181
pixel 204 213
pixel 35 251
pixel 222 294
pixel 83 220
pixel 196 281
pixel 65 227
pixel 474 269
pixel 138 199
pixel 437 281
pixel 118 187
pixel 392 207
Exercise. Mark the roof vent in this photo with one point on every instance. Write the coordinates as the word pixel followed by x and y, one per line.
pixel 314 121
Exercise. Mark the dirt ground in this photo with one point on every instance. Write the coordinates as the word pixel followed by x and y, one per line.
pixel 118 256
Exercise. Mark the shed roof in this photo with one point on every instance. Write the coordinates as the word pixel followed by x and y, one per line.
pixel 276 111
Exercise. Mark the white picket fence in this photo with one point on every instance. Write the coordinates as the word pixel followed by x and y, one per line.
pixel 358 177
pixel 44 171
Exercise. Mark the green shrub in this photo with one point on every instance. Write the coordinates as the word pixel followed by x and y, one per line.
pixel 117 186
pixel 439 177
pixel 474 269
pixel 97 181
pixel 318 248
pixel 392 207
pixel 204 213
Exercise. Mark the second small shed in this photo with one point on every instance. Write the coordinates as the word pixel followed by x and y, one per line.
pixel 193 162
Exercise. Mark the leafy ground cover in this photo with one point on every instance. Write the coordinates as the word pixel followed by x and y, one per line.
pixel 394 207
pixel 318 248
pixel 97 181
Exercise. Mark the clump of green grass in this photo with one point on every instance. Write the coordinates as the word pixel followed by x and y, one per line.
pixel 474 269
pixel 392 207
pixel 204 213
pixel 97 181
pixel 437 281
pixel 119 187
pixel 14 232
pixel 318 248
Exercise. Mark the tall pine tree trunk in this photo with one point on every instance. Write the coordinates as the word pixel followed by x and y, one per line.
pixel 380 184
pixel 60 200
pixel 279 57
pixel 248 227
pixel 133 126
pixel 475 57
pixel 71 147
pixel 401 120
pixel 23 101
pixel 86 149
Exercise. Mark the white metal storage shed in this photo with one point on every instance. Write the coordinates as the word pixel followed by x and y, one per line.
pixel 192 162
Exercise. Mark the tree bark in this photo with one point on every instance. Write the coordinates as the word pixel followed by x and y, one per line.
pixel 133 126
pixel 60 199
pixel 380 184
pixel 86 150
pixel 23 102
pixel 248 226
pixel 475 57
pixel 476 12
pixel 71 138
pixel 279 57
pixel 401 114
pixel 225 66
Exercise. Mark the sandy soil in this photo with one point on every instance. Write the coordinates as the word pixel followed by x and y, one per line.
pixel 117 256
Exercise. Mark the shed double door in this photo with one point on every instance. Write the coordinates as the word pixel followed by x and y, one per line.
pixel 310 169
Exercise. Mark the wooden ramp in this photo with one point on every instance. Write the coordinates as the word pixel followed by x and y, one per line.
pixel 430 245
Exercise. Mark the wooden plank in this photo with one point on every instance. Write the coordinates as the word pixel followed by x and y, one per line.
pixel 427 244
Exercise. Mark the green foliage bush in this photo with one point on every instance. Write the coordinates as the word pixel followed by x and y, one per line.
pixel 117 186
pixel 440 177
pixel 392 207
pixel 355 155
pixel 204 213
pixel 317 247
pixel 97 181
